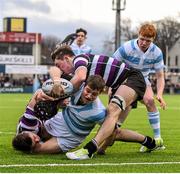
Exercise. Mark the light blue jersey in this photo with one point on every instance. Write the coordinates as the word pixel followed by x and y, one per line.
pixel 83 49
pixel 81 119
pixel 71 126
pixel 75 122
pixel 151 60
pixel 78 119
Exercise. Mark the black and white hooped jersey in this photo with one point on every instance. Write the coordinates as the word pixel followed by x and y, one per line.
pixel 113 72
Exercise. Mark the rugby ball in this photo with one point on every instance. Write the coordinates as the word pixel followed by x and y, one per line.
pixel 66 85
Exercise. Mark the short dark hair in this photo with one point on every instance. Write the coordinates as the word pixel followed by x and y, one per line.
pixel 22 142
pixel 96 82
pixel 61 51
pixel 81 30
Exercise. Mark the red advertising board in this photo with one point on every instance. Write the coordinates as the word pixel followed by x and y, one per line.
pixel 20 37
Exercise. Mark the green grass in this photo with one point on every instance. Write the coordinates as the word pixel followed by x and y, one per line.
pixel 121 157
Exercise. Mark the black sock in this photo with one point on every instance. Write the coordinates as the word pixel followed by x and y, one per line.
pixel 149 142
pixel 91 147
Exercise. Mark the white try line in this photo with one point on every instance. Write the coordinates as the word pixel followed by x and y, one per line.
pixel 12 107
pixel 8 133
pixel 86 164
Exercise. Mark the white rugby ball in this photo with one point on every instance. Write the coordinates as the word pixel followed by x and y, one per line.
pixel 66 85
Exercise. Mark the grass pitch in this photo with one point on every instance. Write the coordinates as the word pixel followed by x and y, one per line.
pixel 121 157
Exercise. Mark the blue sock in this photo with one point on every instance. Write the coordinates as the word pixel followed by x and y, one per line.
pixel 154 120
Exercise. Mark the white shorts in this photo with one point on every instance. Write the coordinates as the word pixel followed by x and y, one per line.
pixel 57 127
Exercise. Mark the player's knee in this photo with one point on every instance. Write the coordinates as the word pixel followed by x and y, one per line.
pixel 119 102
pixel 149 102
pixel 118 134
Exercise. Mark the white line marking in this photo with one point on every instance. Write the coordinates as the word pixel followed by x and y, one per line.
pixel 12 107
pixel 8 133
pixel 85 164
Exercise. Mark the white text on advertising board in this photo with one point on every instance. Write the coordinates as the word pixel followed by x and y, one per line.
pixel 16 59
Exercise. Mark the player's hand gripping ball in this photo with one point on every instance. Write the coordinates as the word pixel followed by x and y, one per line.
pixel 45 110
pixel 59 90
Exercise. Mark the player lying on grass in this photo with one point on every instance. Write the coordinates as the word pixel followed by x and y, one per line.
pixel 68 129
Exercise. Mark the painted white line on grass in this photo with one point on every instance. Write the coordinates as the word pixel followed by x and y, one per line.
pixel 8 133
pixel 11 107
pixel 86 164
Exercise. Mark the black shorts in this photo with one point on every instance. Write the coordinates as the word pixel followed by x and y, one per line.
pixel 134 104
pixel 134 80
pixel 66 76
